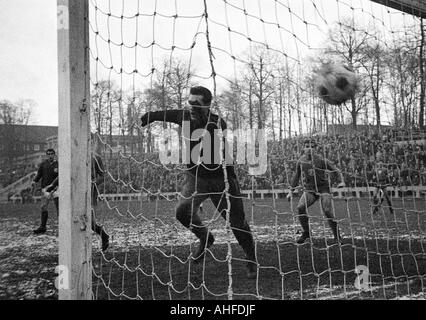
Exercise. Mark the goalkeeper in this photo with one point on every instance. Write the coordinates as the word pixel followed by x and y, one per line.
pixel 311 168
pixel 205 179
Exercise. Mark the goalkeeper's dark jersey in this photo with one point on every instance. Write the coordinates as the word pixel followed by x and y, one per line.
pixel 313 175
pixel 213 168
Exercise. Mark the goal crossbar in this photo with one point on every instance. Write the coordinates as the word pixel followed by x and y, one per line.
pixel 414 7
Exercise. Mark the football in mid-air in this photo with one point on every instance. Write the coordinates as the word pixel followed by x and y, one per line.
pixel 335 83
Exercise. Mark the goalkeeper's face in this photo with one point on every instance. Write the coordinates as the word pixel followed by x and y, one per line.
pixel 197 108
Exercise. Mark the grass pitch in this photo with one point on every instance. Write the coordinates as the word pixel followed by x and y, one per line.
pixel 150 253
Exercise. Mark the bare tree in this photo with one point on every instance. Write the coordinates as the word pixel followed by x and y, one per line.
pixel 168 91
pixel 103 92
pixel 232 104
pixel 246 91
pixel 404 79
pixel 135 107
pixel 260 71
pixel 373 63
pixel 16 113
pixel 284 96
pixel 422 75
pixel 178 80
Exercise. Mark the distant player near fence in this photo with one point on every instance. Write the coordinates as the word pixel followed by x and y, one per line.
pixel 97 175
pixel 47 172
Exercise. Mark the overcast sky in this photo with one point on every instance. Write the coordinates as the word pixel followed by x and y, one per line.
pixel 28 61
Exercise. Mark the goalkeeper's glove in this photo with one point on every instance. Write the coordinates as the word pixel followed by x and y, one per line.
pixel 49 190
pixel 46 193
pixel 144 119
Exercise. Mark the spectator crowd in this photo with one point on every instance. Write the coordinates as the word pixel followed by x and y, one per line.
pixel 355 154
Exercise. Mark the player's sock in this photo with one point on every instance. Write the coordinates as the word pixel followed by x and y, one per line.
pixel 205 242
pixel 245 240
pixel 42 228
pixel 335 229
pixel 390 206
pixel 376 204
pixel 304 222
pixel 251 270
pixel 99 230
pixel 96 228
pixel 302 239
pixel 105 240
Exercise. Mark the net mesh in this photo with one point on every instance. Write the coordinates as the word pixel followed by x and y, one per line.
pixel 257 59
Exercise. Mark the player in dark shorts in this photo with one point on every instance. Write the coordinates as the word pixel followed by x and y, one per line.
pixel 47 172
pixel 382 181
pixel 206 179
pixel 311 168
pixel 97 173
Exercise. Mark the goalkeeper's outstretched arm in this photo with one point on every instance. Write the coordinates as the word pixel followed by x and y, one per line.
pixel 174 116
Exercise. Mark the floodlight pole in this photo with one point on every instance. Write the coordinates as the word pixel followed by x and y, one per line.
pixel 75 265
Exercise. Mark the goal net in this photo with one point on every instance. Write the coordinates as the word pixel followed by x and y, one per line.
pixel 257 59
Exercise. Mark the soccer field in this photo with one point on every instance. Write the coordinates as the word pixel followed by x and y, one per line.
pixel 149 257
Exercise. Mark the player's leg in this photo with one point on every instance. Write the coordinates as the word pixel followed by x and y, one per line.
pixel 388 200
pixel 186 212
pixel 237 220
pixel 99 230
pixel 325 201
pixel 307 199
pixel 377 200
pixel 44 216
pixel 56 202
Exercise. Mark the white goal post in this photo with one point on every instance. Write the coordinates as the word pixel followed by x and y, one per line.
pixel 75 271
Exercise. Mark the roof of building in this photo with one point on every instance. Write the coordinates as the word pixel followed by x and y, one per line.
pixel 28 133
